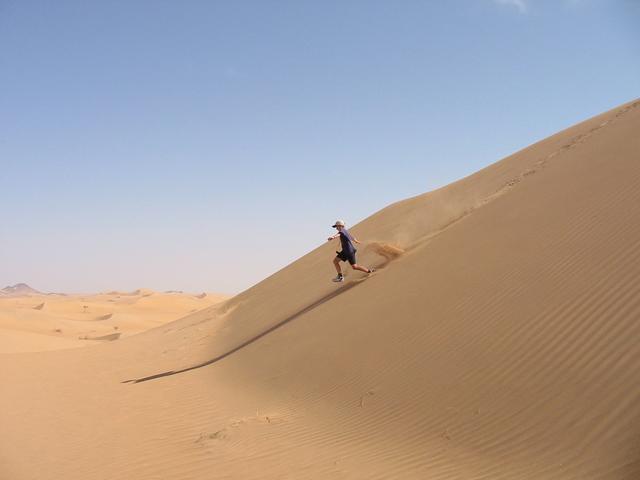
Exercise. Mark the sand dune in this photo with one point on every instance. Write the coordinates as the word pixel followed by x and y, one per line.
pixel 52 322
pixel 498 340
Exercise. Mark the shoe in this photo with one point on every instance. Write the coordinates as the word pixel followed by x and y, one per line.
pixel 339 278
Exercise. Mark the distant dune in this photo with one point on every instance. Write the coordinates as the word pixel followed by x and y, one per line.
pixel 31 322
pixel 498 340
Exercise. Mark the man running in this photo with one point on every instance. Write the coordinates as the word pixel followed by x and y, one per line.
pixel 348 252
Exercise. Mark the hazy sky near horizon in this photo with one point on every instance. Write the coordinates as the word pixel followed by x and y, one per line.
pixel 203 145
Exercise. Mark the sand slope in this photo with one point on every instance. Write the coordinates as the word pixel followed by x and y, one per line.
pixel 502 345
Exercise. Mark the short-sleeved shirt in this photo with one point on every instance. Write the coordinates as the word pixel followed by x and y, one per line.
pixel 347 242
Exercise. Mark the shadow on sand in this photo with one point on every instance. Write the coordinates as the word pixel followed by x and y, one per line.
pixel 308 308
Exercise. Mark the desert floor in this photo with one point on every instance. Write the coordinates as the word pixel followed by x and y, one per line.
pixel 32 323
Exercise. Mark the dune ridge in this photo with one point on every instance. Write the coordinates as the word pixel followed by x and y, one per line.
pixel 499 341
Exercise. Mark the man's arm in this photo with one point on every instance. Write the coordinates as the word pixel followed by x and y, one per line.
pixel 333 236
pixel 356 240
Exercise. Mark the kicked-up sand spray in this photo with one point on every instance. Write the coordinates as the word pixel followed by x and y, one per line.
pixel 386 250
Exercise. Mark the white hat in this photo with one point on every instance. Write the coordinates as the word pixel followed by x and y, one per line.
pixel 339 223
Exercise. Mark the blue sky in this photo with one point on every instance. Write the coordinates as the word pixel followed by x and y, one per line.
pixel 203 145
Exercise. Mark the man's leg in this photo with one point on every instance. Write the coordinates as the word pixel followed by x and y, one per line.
pixel 355 266
pixel 336 263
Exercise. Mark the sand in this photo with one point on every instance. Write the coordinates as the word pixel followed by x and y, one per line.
pixel 498 340
pixel 37 322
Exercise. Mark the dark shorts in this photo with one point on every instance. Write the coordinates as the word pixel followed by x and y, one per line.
pixel 347 257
